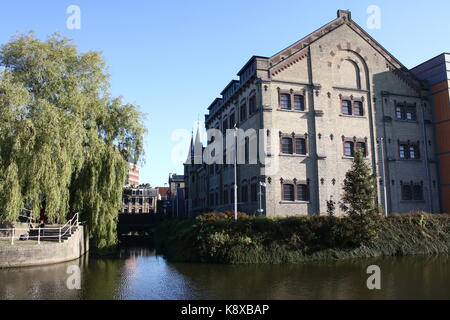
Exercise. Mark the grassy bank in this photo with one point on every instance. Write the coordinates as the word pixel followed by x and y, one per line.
pixel 218 239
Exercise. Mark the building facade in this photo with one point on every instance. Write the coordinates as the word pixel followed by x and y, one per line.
pixel 139 200
pixel 313 105
pixel 133 175
pixel 436 72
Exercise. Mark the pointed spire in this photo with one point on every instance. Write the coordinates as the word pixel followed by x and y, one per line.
pixel 190 157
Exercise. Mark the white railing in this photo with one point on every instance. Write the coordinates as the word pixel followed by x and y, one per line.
pixel 12 234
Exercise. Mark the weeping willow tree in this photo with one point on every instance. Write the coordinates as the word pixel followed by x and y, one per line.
pixel 64 141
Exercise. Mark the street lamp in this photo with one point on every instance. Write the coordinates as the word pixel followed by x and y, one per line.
pixel 260 211
pixel 381 144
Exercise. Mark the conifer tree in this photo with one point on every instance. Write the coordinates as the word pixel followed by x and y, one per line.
pixel 359 200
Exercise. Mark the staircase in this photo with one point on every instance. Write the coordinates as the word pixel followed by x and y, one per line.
pixel 52 233
pixel 55 233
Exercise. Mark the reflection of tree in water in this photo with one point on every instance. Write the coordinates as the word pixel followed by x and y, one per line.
pixel 322 280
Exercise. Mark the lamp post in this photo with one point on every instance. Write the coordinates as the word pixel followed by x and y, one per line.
pixel 383 164
pixel 261 210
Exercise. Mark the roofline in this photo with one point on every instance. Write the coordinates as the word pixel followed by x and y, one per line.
pixel 229 85
pixel 249 62
pixel 210 106
pixel 441 54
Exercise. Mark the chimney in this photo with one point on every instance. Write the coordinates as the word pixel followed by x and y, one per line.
pixel 344 14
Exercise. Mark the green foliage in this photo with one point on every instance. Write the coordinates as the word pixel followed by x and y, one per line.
pixel 359 200
pixel 217 238
pixel 360 191
pixel 63 139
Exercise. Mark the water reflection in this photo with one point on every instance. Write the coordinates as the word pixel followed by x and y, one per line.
pixel 140 274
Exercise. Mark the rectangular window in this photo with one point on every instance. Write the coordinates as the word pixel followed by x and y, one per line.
pixel 412 152
pixel 285 101
pixel 224 127
pixel 411 114
pixel 232 194
pixel 300 146
pixel 299 103
pixel 361 146
pixel 253 193
pixel 346 107
pixel 243 111
pixel 403 151
pixel 286 145
pixel 407 193
pixel 418 193
pixel 252 104
pixel 244 194
pixel 232 121
pixel 226 200
pixel 302 192
pixel 288 192
pixel 358 108
pixel 406 113
pixel 349 149
pixel 247 150
pixel 398 113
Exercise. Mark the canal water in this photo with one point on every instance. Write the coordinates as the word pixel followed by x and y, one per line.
pixel 137 273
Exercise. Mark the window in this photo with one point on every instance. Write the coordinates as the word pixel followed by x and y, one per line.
pixel 349 149
pixel 285 101
pixel 399 113
pixel 226 200
pixel 358 108
pixel 361 146
pixel 244 194
pixel 252 104
pixel 243 111
pixel 232 120
pixel 302 192
pixel 140 211
pixel 406 193
pixel 346 107
pixel 224 127
pixel 299 103
pixel 409 151
pixel 288 192
pixel 407 113
pixel 412 192
pixel 286 145
pixel 253 193
pixel 300 146
pixel 232 194
pixel 247 150
pixel 411 114
pixel 417 193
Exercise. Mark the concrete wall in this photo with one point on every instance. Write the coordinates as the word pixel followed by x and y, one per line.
pixel 21 255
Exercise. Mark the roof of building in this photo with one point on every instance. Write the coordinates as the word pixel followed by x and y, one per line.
pixel 163 191
pixel 287 56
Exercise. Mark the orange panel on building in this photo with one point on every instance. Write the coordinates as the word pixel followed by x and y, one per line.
pixel 437 73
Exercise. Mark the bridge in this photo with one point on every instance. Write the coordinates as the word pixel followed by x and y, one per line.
pixel 137 228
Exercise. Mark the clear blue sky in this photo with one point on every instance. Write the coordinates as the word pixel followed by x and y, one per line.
pixel 174 57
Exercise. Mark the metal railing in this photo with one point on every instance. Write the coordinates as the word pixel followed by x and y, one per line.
pixel 12 234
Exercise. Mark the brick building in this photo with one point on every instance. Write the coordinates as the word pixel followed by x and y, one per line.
pixel 316 102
